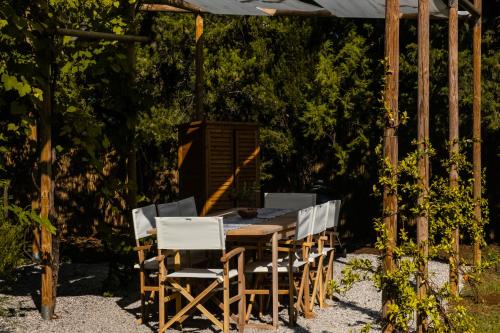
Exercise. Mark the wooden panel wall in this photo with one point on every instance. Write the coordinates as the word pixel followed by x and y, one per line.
pixel 218 162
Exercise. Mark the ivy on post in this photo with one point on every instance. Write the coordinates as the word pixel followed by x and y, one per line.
pixel 390 202
pixel 453 132
pixel 423 157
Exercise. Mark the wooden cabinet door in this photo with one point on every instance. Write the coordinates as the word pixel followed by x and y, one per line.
pixel 247 167
pixel 220 168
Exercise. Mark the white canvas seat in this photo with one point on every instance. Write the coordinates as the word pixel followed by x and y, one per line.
pixel 199 233
pixel 293 201
pixel 202 273
pixel 264 266
pixel 152 263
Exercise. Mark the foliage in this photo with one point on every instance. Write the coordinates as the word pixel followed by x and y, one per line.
pixel 446 208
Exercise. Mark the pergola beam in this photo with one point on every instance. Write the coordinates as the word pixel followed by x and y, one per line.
pixel 100 35
pixel 150 7
pixel 290 12
pixel 473 9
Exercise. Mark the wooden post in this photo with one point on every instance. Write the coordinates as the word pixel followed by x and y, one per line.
pixel 453 130
pixel 35 206
pixel 391 92
pixel 131 154
pixel 199 91
pixel 476 125
pixel 423 141
pixel 46 199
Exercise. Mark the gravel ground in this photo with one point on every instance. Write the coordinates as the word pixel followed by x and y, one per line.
pixel 82 308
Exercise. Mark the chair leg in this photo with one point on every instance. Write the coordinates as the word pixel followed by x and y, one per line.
pixel 241 294
pixel 226 303
pixel 307 300
pixel 161 308
pixel 317 284
pixel 142 320
pixel 329 272
pixel 291 302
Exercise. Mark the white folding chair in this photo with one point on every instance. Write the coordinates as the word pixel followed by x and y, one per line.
pixel 168 209
pixel 199 233
pixel 294 263
pixel 331 233
pixel 187 207
pixel 293 201
pixel 144 220
pixel 321 216
pixel 184 207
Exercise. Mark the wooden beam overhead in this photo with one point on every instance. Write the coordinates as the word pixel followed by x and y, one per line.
pixel 150 7
pixel 100 35
pixel 289 12
pixel 473 9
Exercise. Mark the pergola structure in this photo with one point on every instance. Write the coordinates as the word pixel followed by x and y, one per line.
pixel 390 10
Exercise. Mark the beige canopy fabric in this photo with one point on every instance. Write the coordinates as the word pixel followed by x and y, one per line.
pixel 337 8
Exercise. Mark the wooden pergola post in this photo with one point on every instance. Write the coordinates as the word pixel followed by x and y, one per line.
pixel 46 199
pixel 453 130
pixel 199 91
pixel 476 125
pixel 390 202
pixel 423 159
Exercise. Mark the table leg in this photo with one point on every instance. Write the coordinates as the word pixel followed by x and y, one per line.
pixel 275 279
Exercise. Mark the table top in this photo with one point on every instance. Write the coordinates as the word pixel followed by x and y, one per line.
pixel 257 226
pixel 265 227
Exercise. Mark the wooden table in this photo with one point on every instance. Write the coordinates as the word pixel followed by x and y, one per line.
pixel 272 230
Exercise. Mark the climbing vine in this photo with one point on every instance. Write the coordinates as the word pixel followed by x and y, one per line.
pixel 447 208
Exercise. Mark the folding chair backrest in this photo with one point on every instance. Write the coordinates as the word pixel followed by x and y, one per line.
pixel 305 220
pixel 320 218
pixel 289 200
pixel 187 207
pixel 168 209
pixel 333 213
pixel 144 220
pixel 190 233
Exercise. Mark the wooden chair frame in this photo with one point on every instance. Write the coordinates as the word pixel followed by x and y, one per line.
pixel 196 302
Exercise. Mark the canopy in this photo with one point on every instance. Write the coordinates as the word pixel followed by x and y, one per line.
pixel 337 8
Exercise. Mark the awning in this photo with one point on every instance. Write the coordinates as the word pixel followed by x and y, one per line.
pixel 337 8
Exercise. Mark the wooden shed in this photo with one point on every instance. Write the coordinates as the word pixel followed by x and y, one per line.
pixel 219 164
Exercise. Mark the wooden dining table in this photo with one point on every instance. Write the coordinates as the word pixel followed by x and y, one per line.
pixel 262 230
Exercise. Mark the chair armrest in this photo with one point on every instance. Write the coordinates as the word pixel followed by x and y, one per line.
pixel 142 247
pixel 160 257
pixel 323 238
pixel 225 258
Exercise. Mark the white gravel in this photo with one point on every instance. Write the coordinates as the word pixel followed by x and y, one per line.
pixel 82 308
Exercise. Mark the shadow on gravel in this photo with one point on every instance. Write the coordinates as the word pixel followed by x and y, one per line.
pixel 374 315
